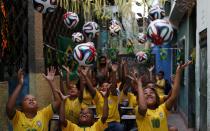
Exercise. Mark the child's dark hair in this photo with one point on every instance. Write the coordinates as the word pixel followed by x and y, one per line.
pixel 161 73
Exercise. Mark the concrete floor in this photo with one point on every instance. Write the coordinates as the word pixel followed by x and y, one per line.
pixel 176 120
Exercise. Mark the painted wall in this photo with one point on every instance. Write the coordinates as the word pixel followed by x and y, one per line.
pixel 183 33
pixel 164 65
pixel 203 21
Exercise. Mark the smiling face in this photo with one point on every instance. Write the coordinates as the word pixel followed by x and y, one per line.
pixel 29 104
pixel 151 98
pixel 86 117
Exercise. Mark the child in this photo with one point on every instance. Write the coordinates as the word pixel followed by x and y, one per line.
pixel 113 117
pixel 86 117
pixel 72 114
pixel 150 116
pixel 160 84
pixel 29 118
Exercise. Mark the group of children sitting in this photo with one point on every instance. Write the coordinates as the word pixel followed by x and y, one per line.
pixel 112 85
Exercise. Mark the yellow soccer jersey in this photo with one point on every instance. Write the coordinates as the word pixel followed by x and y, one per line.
pixel 160 90
pixel 39 123
pixel 154 120
pixel 97 126
pixel 130 97
pixel 87 99
pixel 113 107
pixel 72 110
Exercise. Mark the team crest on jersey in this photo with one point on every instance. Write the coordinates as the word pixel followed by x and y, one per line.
pixel 161 115
pixel 39 123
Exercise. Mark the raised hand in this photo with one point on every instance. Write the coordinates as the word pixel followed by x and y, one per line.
pixel 150 69
pixel 63 97
pixel 20 76
pixel 50 74
pixel 182 66
pixel 67 69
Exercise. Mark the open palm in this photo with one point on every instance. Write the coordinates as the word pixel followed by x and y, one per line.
pixel 50 74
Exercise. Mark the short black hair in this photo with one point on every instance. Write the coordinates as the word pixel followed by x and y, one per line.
pixel 161 72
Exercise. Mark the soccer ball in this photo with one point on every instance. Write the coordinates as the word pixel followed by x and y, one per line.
pixel 70 19
pixel 91 29
pixel 114 22
pixel 77 37
pixel 85 54
pixel 141 57
pixel 142 38
pixel 45 6
pixel 114 30
pixel 160 32
pixel 156 12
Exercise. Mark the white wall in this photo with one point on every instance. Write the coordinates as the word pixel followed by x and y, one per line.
pixel 203 22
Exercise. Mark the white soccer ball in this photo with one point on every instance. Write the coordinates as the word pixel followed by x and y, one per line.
pixel 141 57
pixel 156 12
pixel 142 38
pixel 85 54
pixel 91 29
pixel 77 37
pixel 160 32
pixel 114 30
pixel 70 19
pixel 45 6
pixel 114 22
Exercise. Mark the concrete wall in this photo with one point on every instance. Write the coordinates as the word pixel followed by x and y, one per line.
pixel 203 22
pixel 183 33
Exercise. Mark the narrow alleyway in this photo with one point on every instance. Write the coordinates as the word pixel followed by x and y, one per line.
pixel 175 119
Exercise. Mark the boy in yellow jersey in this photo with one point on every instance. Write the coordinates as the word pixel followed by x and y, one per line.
pixel 29 118
pixel 86 117
pixel 160 84
pixel 150 116
pixel 86 88
pixel 72 114
pixel 113 117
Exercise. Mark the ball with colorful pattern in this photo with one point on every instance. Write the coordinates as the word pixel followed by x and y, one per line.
pixel 45 6
pixel 85 54
pixel 142 38
pixel 70 19
pixel 114 30
pixel 91 29
pixel 141 57
pixel 156 12
pixel 160 32
pixel 114 22
pixel 77 37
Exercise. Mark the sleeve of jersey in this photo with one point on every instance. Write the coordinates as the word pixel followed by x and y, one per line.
pixel 16 117
pixel 47 112
pixel 97 97
pixel 70 126
pixel 163 107
pixel 100 126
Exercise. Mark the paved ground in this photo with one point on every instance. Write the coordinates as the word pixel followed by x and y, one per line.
pixel 176 120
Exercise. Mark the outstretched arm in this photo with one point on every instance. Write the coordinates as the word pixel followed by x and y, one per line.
pixel 10 107
pixel 105 95
pixel 84 74
pixel 150 73
pixel 68 71
pixel 175 90
pixel 142 106
pixel 113 79
pixel 50 79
